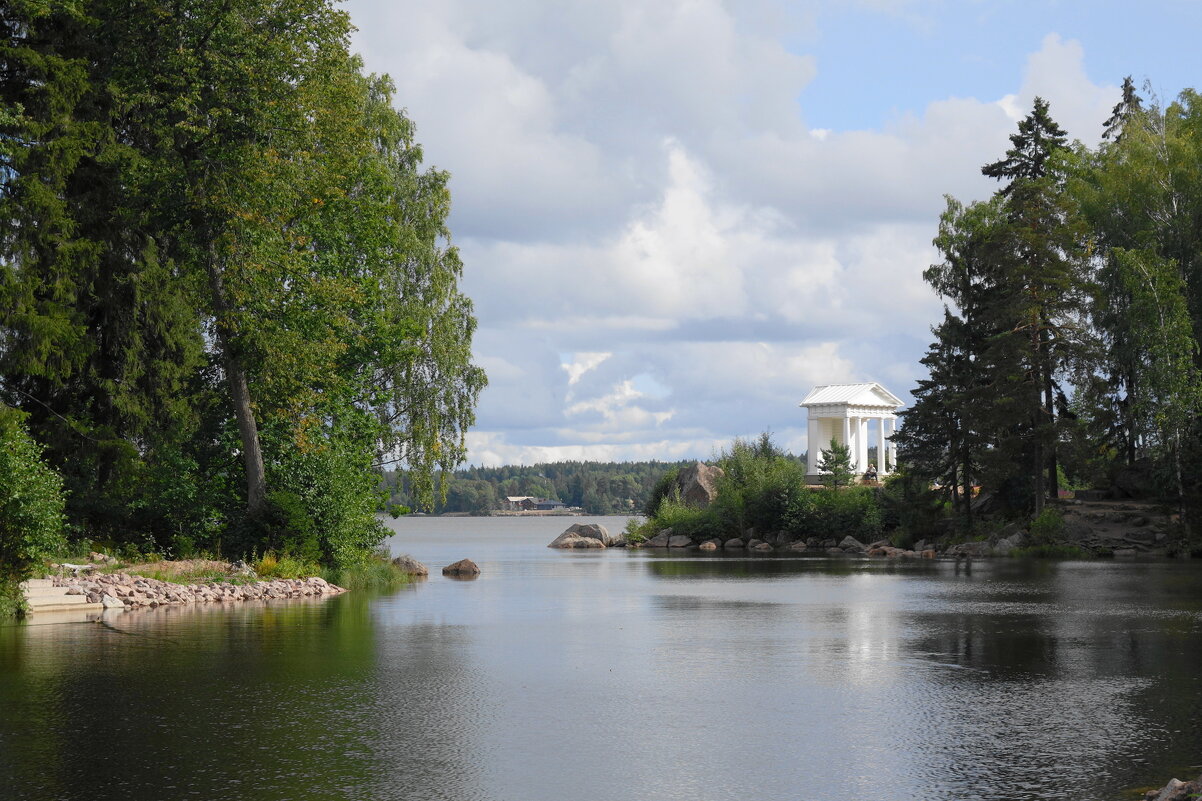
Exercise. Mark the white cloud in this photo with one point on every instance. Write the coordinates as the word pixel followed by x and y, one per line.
pixel 639 203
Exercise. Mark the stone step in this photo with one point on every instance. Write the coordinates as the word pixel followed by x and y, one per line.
pixel 81 605
pixel 45 592
pixel 48 601
pixel 82 614
pixel 29 584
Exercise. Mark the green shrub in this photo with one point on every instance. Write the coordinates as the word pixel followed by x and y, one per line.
pixel 687 520
pixel 31 502
pixel 636 531
pixel 375 573
pixel 662 489
pixel 1048 527
pixel 834 514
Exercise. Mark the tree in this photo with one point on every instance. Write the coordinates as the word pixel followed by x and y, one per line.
pixel 31 502
pixel 1128 107
pixel 1031 148
pixel 835 462
pixel 221 224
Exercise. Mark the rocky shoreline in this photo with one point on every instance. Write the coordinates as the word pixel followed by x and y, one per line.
pixel 122 590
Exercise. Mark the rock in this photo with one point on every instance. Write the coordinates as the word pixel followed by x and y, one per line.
pixel 835 551
pixel 709 545
pixel 110 602
pixel 1122 552
pixel 661 539
pixel 464 567
pixel 680 541
pixel 753 542
pixel 1007 544
pixel 814 542
pixel 567 540
pixel 698 484
pixel 583 531
pixel 928 553
pixel 850 543
pixel 241 568
pixel 800 545
pixel 410 566
pixel 734 544
pixel 970 549
pixel 763 547
pixel 1176 790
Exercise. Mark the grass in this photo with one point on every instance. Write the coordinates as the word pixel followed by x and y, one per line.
pixel 377 573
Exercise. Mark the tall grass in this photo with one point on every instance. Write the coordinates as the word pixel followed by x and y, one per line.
pixel 376 574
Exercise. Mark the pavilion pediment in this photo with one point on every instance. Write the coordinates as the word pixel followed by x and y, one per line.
pixel 863 396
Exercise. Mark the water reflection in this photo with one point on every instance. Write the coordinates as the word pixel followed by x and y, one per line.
pixel 622 676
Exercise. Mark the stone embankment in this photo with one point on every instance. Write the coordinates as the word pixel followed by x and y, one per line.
pixel 122 590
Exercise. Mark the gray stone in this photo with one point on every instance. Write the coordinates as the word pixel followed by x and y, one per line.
pixel 661 539
pixel 763 547
pixel 709 545
pixel 734 543
pixel 850 543
pixel 587 531
pixel 800 545
pixel 1124 552
pixel 970 549
pixel 410 566
pixel 753 542
pixel 569 540
pixel 698 484
pixel 680 541
pixel 463 568
pixel 110 602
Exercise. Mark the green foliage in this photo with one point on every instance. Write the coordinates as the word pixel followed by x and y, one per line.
pixel 12 601
pixel 834 514
pixel 663 488
pixel 835 462
pixel 700 524
pixel 764 490
pixel 1048 527
pixel 222 299
pixel 376 573
pixel 285 566
pixel 636 530
pixel 31 502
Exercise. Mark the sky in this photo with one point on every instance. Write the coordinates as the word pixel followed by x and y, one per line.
pixel 678 216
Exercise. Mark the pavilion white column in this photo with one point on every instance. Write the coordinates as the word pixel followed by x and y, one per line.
pixel 880 446
pixel 847 435
pixel 812 445
pixel 862 444
pixel 892 444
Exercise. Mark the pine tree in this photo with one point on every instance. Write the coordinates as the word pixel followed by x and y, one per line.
pixel 1031 147
pixel 1128 107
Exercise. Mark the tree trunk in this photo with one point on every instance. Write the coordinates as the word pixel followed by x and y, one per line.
pixel 235 375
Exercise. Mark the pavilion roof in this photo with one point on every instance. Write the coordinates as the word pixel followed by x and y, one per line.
pixel 869 394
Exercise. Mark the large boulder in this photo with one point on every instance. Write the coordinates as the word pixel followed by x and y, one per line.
pixel 575 535
pixel 661 539
pixel 410 566
pixel 850 543
pixel 464 568
pixel 1176 790
pixel 680 541
pixel 698 484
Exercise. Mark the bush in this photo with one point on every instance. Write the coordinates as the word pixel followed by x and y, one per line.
pixel 1048 527
pixel 31 502
pixel 662 489
pixel 834 514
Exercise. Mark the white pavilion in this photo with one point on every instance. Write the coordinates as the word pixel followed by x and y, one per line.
pixel 842 412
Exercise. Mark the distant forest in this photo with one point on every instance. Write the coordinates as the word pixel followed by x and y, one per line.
pixel 597 487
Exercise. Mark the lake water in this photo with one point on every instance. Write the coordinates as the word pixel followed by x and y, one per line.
pixel 626 675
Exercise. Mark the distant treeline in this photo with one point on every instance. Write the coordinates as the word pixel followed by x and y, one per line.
pixel 596 487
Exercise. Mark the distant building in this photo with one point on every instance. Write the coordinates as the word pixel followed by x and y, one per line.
pixel 529 503
pixel 842 412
